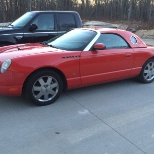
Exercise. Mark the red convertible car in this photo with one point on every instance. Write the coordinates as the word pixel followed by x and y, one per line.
pixel 81 57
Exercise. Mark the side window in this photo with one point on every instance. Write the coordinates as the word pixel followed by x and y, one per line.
pixel 112 41
pixel 66 21
pixel 44 22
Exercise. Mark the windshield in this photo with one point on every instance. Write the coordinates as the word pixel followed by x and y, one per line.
pixel 23 20
pixel 74 40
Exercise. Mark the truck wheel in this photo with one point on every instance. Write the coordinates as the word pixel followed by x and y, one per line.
pixel 44 87
pixel 147 72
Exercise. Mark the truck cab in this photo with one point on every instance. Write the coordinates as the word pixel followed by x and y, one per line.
pixel 39 26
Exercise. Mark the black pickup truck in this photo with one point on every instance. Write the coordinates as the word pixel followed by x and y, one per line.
pixel 39 26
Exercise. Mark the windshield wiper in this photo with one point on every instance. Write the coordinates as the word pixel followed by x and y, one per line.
pixel 10 25
pixel 44 43
pixel 53 46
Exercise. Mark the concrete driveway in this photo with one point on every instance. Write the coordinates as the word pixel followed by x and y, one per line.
pixel 112 118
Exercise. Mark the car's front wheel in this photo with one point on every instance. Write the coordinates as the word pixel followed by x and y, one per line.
pixel 147 72
pixel 44 87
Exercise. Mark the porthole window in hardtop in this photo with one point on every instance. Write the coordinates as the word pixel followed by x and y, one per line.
pixel 133 39
pixel 66 21
pixel 112 41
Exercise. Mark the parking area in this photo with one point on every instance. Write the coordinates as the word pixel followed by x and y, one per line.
pixel 112 118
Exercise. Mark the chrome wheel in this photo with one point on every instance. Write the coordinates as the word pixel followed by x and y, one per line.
pixel 45 88
pixel 148 71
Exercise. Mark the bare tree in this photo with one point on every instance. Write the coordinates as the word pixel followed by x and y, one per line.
pixel 130 9
pixel 88 9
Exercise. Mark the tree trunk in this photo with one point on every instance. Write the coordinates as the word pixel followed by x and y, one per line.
pixel 130 9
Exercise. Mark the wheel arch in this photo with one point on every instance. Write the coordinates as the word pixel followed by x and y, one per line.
pixel 148 60
pixel 145 63
pixel 140 76
pixel 59 72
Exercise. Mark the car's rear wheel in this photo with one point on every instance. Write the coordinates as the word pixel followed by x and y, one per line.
pixel 147 72
pixel 44 87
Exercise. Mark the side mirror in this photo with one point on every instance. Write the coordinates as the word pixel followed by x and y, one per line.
pixel 99 46
pixel 32 27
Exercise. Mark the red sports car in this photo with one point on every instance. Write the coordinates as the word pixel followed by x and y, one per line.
pixel 81 57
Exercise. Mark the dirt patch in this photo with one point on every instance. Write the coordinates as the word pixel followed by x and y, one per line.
pixel 139 25
pixel 149 41
pixel 145 34
pixel 144 30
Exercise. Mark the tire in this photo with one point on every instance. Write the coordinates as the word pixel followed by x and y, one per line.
pixel 147 72
pixel 44 87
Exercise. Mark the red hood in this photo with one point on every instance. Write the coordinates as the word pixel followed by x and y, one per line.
pixel 21 50
pixel 20 47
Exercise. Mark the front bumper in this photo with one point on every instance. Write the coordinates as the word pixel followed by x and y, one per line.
pixel 11 90
pixel 11 83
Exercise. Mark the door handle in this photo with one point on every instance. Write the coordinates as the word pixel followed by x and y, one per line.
pixel 18 37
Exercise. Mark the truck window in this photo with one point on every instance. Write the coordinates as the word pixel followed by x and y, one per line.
pixel 66 21
pixel 23 20
pixel 44 22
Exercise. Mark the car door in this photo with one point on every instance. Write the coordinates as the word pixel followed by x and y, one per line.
pixel 45 31
pixel 114 62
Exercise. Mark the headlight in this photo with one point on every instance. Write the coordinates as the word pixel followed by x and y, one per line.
pixel 5 65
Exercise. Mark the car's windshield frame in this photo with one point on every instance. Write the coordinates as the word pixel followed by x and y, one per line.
pixel 76 40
